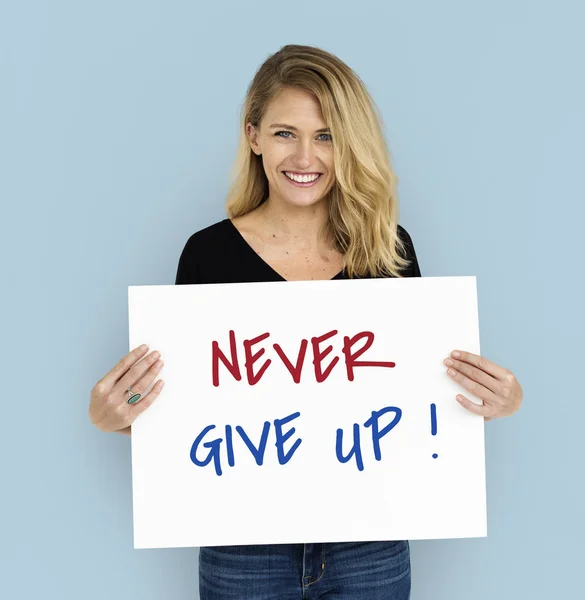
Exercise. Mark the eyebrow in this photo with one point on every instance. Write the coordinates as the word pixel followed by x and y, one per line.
pixel 323 130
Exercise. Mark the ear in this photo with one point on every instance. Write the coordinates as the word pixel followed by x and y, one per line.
pixel 253 136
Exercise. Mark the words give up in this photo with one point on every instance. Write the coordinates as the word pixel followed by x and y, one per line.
pixel 351 357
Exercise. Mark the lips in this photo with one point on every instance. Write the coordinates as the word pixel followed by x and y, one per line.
pixel 301 173
pixel 302 184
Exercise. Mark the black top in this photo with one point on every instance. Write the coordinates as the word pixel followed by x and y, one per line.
pixel 220 254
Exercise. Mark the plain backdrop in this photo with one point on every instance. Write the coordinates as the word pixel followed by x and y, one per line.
pixel 118 126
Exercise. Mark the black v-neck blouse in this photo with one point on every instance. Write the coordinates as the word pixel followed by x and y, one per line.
pixel 220 254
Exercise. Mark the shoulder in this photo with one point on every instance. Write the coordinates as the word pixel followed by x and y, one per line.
pixel 202 250
pixel 413 269
pixel 212 236
pixel 406 239
pixel 404 235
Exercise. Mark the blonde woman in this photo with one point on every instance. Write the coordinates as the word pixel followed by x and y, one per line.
pixel 313 197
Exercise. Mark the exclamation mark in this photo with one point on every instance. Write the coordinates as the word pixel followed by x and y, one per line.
pixel 434 423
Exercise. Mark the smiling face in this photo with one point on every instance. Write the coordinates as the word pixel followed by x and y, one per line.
pixel 295 143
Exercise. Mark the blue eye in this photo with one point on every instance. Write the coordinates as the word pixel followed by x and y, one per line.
pixel 286 137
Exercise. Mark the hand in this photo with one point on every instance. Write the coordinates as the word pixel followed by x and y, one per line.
pixel 497 387
pixel 108 408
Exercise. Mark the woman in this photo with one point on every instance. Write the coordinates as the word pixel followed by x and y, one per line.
pixel 314 197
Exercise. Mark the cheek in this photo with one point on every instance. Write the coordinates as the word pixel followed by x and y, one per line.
pixel 273 159
pixel 327 160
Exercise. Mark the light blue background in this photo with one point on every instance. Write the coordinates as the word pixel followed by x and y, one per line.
pixel 118 128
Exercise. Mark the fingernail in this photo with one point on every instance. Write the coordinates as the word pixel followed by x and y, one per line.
pixel 455 354
pixel 449 362
pixel 451 372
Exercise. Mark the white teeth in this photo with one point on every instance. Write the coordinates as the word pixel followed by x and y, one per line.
pixel 301 178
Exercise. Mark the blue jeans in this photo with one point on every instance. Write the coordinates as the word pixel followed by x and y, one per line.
pixel 344 571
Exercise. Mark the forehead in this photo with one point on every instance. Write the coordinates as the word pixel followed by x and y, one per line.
pixel 296 105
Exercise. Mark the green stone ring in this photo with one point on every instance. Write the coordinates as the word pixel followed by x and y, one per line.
pixel 132 397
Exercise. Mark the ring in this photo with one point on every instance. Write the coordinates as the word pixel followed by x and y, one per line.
pixel 132 397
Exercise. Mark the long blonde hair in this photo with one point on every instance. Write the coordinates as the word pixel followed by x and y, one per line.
pixel 363 204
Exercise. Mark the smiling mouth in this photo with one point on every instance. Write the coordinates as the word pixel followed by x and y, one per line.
pixel 308 183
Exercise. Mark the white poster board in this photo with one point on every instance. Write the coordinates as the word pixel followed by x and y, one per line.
pixel 261 452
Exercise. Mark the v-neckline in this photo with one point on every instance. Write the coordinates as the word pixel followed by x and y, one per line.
pixel 245 244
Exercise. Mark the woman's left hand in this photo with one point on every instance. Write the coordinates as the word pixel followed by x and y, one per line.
pixel 497 387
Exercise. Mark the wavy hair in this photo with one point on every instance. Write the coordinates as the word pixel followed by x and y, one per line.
pixel 363 203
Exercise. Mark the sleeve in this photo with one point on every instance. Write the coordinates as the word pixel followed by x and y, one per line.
pixel 413 270
pixel 188 269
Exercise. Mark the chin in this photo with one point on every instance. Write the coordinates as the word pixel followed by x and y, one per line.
pixel 303 202
pixel 303 198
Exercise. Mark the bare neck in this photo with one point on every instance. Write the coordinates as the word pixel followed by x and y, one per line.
pixel 297 226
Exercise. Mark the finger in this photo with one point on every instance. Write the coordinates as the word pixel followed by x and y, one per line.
pixel 112 376
pixel 135 377
pixel 475 374
pixel 477 389
pixel 480 362
pixel 147 400
pixel 140 386
pixel 476 409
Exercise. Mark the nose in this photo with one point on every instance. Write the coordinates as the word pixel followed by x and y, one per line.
pixel 304 155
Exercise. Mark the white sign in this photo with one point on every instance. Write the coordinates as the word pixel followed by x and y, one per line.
pixel 307 411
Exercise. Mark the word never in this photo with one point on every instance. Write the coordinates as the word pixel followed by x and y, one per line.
pixel 351 357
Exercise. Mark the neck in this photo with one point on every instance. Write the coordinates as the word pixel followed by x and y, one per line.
pixel 293 224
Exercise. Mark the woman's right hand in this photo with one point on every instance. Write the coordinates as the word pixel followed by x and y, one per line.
pixel 108 408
